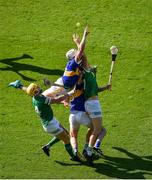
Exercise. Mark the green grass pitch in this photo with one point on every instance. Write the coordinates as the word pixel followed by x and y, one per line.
pixel 42 29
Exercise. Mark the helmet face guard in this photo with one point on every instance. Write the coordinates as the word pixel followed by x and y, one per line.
pixel 70 54
pixel 33 89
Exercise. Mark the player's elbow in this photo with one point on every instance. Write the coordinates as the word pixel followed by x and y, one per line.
pixel 79 54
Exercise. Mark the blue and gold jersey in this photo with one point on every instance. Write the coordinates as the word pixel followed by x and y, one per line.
pixel 71 74
pixel 77 103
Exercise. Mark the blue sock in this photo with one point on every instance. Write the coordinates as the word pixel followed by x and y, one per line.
pixel 97 144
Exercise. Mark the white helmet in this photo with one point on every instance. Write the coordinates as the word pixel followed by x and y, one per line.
pixel 70 54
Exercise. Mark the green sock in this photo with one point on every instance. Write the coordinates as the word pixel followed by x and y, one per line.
pixel 53 141
pixel 69 149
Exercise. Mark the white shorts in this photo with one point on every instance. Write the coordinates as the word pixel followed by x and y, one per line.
pixel 93 108
pixel 53 127
pixel 78 118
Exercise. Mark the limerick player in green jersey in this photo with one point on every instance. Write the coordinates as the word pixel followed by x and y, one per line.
pixel 50 124
pixel 92 106
pixel 93 109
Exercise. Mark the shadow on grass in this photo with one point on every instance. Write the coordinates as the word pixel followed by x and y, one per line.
pixel 68 164
pixel 16 67
pixel 134 167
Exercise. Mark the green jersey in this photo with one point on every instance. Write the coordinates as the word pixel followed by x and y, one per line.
pixel 90 85
pixel 43 108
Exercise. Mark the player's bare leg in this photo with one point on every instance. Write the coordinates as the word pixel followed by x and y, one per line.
pixel 66 140
pixel 73 139
pixel 96 131
pixel 89 132
pixel 98 142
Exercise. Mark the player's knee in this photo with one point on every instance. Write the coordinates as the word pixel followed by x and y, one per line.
pixel 97 130
pixel 64 137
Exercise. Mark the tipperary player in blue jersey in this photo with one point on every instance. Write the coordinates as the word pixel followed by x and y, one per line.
pixel 72 71
pixel 78 117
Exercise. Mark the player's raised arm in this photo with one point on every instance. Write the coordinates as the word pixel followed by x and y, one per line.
pixel 76 40
pixel 59 99
pixel 81 46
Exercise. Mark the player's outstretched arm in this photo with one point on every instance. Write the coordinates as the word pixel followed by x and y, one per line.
pixel 76 40
pixel 103 88
pixel 59 99
pixel 85 63
pixel 81 46
pixel 64 97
